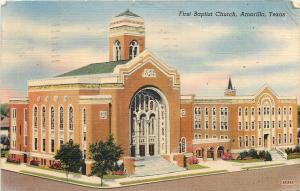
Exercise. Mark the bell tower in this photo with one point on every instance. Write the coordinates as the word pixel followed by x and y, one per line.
pixel 126 36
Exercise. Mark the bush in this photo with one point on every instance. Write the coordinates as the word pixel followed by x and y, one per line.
pixel 56 165
pixel 35 162
pixel 243 154
pixel 288 150
pixel 297 149
pixel 12 160
pixel 268 156
pixel 193 160
pixel 227 156
pixel 118 172
pixel 253 154
pixel 262 154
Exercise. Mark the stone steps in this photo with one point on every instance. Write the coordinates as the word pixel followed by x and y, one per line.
pixel 154 165
pixel 276 156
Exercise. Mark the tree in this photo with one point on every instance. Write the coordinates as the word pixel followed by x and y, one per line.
pixel 4 109
pixel 70 157
pixel 105 155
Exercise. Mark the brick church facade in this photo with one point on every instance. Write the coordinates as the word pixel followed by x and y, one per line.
pixel 136 97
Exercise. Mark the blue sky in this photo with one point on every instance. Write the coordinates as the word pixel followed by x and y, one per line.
pixel 44 39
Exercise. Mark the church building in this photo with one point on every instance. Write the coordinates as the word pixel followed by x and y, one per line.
pixel 136 97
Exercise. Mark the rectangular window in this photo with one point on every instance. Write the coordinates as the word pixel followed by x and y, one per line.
pixel 206 111
pixel 44 144
pixel 252 141
pixel 252 125
pixel 284 123
pixel 206 124
pixel 273 124
pixel 84 136
pixel 284 138
pixel 259 124
pixel 214 125
pixel 35 143
pixel 240 141
pixel 290 123
pixel 240 125
pixel 61 142
pixel 290 111
pixel 240 111
pixel 246 141
pixel 259 141
pixel 279 124
pixel 279 139
pixel 246 125
pixel 206 136
pixel 291 138
pixel 52 145
pixel 273 140
pixel 252 111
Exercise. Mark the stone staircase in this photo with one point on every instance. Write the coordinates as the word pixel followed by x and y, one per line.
pixel 154 165
pixel 276 155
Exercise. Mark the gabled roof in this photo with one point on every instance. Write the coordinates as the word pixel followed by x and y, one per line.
pixel 127 13
pixel 96 68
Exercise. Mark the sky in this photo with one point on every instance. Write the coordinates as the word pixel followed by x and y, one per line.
pixel 43 39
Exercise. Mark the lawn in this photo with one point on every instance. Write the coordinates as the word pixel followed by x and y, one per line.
pixel 171 177
pixel 4 153
pixel 110 176
pixel 195 166
pixel 62 179
pixel 293 156
pixel 246 161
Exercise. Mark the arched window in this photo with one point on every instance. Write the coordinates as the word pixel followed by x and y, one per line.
pixel 35 117
pixel 117 51
pixel 183 144
pixel 71 115
pixel 61 118
pixel 52 117
pixel 133 49
pixel 43 118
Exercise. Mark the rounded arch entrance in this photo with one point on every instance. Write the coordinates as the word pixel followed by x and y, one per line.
pixel 148 123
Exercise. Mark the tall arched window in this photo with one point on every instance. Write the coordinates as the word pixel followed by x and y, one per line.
pixel 117 51
pixel 133 49
pixel 71 115
pixel 43 118
pixel 84 117
pixel 182 145
pixel 52 117
pixel 61 118
pixel 35 117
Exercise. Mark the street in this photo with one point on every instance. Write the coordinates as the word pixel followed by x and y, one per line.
pixel 269 179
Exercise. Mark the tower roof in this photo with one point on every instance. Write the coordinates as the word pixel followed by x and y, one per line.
pixel 127 13
pixel 229 84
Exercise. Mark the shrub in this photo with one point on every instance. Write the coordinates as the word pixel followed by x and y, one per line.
pixel 243 154
pixel 262 154
pixel 253 154
pixel 297 149
pixel 288 150
pixel 227 156
pixel 193 160
pixel 56 165
pixel 268 156
pixel 13 160
pixel 118 172
pixel 34 162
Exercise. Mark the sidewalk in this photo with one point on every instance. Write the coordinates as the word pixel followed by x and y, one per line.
pixel 219 166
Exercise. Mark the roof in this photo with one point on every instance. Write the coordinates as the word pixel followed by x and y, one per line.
pixel 127 13
pixel 96 68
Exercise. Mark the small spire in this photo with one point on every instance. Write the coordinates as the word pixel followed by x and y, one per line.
pixel 230 84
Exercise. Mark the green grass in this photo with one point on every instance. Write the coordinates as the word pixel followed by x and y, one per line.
pixel 62 179
pixel 261 166
pixel 293 156
pixel 171 177
pixel 246 161
pixel 195 166
pixel 110 176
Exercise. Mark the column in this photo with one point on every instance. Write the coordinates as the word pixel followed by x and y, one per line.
pixel 137 140
pixel 215 153
pixel 204 154
pixel 147 138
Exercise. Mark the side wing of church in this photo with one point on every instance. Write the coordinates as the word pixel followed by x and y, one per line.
pixel 136 97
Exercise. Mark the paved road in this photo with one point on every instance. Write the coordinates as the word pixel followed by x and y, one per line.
pixel 259 180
